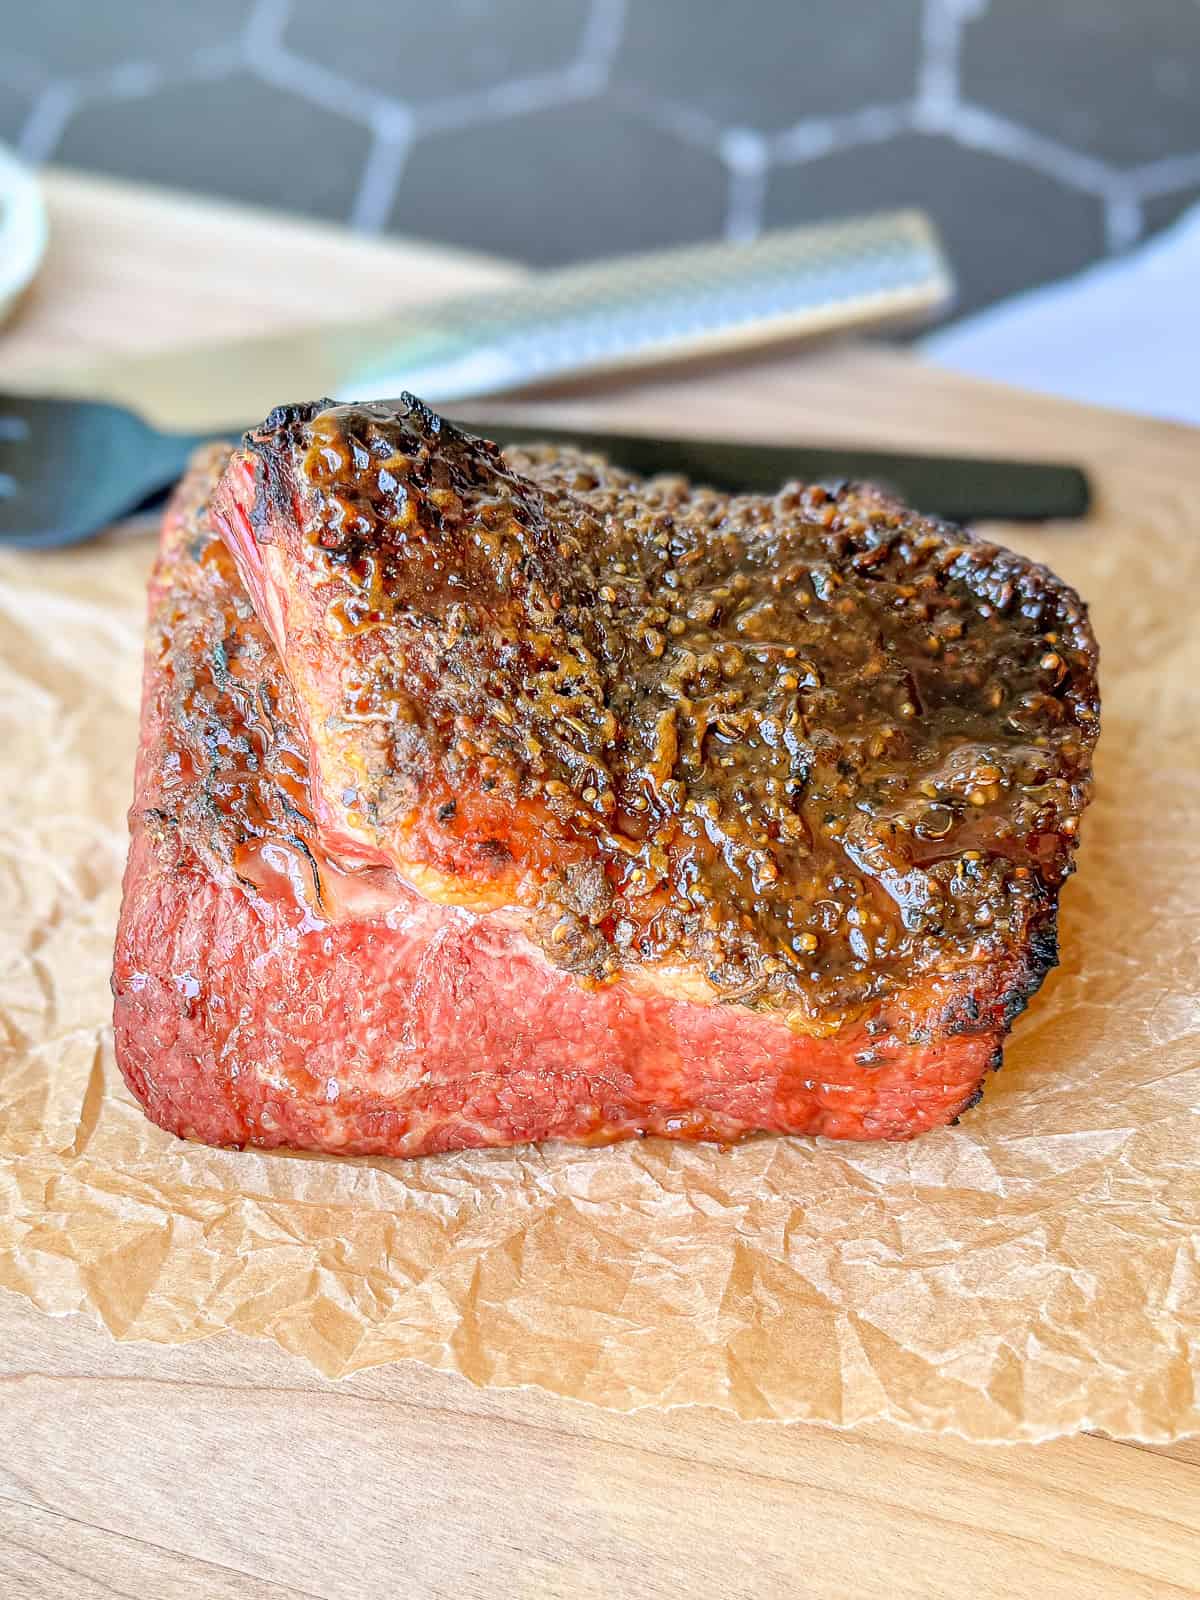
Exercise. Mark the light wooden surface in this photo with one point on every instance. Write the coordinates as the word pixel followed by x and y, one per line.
pixel 147 1470
pixel 228 1469
pixel 130 269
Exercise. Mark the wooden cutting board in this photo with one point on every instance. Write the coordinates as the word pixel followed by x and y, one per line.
pixel 227 1468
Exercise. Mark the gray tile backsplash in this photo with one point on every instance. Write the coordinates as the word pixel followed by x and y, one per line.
pixel 1119 79
pixel 766 66
pixel 76 39
pixel 15 109
pixel 421 53
pixel 560 183
pixel 285 150
pixel 1161 212
pixel 1005 225
pixel 1042 134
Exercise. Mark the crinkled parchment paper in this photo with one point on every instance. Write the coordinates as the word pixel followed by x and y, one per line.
pixel 1030 1272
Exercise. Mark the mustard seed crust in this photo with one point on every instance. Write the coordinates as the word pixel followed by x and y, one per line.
pixel 806 749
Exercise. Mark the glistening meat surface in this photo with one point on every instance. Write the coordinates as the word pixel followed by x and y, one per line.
pixel 388 900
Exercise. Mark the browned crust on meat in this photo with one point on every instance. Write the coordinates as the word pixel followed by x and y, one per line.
pixel 230 766
pixel 806 753
pixel 225 796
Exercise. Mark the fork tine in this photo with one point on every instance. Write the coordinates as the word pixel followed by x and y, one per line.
pixel 13 431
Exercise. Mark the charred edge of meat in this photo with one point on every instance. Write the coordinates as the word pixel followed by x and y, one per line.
pixel 429 420
pixel 285 417
pixel 995 1062
pixel 968 1104
pixel 1040 959
pixel 268 445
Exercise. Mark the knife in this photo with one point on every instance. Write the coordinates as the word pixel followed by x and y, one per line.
pixel 960 488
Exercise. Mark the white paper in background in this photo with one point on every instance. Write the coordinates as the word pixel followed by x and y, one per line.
pixel 1123 334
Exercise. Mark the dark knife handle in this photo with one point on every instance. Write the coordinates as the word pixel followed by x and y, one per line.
pixel 961 488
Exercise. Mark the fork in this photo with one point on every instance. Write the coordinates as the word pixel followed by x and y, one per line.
pixel 70 467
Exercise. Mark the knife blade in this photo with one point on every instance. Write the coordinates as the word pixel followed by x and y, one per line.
pixel 960 488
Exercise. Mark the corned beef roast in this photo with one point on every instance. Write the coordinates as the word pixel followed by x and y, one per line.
pixel 487 797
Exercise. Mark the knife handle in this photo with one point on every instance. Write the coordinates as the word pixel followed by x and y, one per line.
pixel 649 309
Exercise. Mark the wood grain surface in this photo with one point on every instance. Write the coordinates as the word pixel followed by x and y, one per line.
pixel 226 1468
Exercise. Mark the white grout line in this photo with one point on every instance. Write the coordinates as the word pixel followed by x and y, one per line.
pixel 937 73
pixel 744 150
pixel 381 175
pixel 977 128
pixel 264 27
pixel 685 123
pixel 44 125
pixel 818 136
pixel 1123 221
pixel 132 80
pixel 317 84
pixel 745 154
pixel 602 33
pixel 1165 175
pixel 518 97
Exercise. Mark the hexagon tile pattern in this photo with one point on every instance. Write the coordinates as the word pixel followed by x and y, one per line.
pixel 766 66
pixel 1040 135
pixel 1013 224
pixel 73 40
pixel 179 132
pixel 1116 79
pixel 581 180
pixel 429 52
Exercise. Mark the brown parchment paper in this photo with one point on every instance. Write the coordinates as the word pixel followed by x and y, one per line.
pixel 1030 1272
